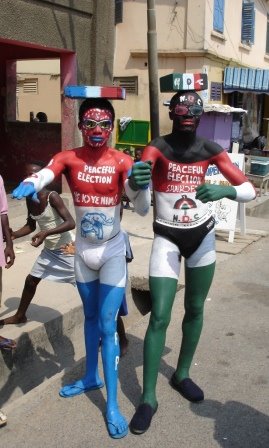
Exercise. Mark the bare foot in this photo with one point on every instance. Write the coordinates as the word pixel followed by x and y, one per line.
pixel 13 320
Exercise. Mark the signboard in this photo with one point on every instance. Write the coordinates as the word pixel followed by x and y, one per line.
pixel 176 82
pixel 224 210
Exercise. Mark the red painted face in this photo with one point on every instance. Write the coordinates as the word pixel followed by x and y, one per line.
pixel 96 127
pixel 186 112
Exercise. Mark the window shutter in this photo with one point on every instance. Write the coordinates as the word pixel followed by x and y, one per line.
pixel 118 11
pixel 215 91
pixel 218 18
pixel 129 83
pixel 248 22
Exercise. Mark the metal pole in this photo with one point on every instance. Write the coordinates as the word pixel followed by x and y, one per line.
pixel 153 69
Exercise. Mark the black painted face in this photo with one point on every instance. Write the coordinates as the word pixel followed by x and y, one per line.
pixel 186 110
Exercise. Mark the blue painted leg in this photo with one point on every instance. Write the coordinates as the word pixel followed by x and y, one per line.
pixel 110 301
pixel 91 379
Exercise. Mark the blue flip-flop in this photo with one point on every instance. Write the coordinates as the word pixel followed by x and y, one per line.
pixel 77 388
pixel 7 344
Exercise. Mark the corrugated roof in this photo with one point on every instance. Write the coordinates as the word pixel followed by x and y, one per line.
pixel 246 80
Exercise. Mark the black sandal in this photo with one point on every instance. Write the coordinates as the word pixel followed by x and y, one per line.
pixel 141 420
pixel 188 389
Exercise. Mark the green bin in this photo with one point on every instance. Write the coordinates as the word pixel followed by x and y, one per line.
pixel 136 133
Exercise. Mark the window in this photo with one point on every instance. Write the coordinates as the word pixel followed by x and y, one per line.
pixel 218 16
pixel 267 35
pixel 118 11
pixel 37 89
pixel 215 91
pixel 248 23
pixel 29 85
pixel 129 83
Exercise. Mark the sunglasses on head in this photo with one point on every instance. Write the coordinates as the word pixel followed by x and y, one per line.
pixel 195 110
pixel 91 124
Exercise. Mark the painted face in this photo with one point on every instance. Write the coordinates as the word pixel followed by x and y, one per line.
pixel 96 127
pixel 186 112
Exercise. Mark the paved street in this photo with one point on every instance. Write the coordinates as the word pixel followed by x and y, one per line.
pixel 231 365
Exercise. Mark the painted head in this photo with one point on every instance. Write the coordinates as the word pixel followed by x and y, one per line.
pixel 185 111
pixel 96 121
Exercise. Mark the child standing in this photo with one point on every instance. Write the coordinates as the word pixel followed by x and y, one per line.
pixel 55 223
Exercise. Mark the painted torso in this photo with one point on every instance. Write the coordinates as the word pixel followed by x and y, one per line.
pixel 177 172
pixel 96 184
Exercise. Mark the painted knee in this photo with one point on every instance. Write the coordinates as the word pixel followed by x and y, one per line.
pixel 90 316
pixel 194 310
pixel 108 327
pixel 158 322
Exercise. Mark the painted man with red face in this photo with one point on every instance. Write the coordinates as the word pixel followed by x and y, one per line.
pixel 96 174
pixel 183 226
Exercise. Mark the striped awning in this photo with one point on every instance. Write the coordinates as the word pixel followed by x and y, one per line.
pixel 246 80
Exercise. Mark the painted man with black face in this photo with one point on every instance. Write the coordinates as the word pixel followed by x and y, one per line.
pixel 183 226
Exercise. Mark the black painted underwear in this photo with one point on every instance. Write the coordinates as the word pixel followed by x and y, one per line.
pixel 187 240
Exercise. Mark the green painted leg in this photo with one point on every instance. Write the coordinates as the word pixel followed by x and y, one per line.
pixel 163 291
pixel 198 282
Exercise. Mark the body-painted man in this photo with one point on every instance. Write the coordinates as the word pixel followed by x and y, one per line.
pixel 96 174
pixel 183 226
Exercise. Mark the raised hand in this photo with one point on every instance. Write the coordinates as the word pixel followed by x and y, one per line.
pixel 140 176
pixel 212 192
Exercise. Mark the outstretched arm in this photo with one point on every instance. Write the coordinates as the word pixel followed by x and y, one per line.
pixel 241 189
pixel 33 184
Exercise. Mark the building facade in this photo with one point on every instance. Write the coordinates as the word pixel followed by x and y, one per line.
pixel 80 36
pixel 199 36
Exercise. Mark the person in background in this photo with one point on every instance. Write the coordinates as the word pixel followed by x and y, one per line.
pixel 127 151
pixel 7 258
pixel 55 223
pixel 42 117
pixel 138 154
pixel 96 174
pixel 183 227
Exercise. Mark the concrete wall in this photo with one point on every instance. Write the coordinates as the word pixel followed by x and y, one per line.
pixel 65 24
